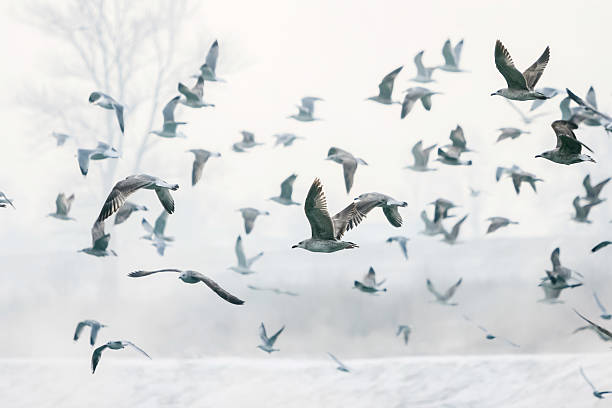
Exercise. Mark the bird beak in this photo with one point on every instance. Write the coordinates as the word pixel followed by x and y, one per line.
pixel 539 155
pixel 294 246
pixel 493 94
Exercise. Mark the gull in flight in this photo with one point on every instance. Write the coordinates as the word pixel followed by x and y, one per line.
pixel 442 206
pixel 452 57
pixel 95 328
pixel 520 86
pixel 99 241
pixel 124 188
pixel 497 223
pixel 604 333
pixel 208 69
pixel 423 73
pixel 169 128
pixel 368 201
pixel 349 164
pixel 62 207
pixel 157 234
pixel 4 200
pixel 568 149
pixel 596 393
pixel 60 138
pixel 402 241
pixel 268 342
pixel 452 157
pixel 327 232
pixel 244 264
pixel 444 298
pixel 582 211
pixel 421 157
pixel 112 345
pixel 587 112
pixel 369 283
pixel 126 210
pixel 604 312
pixel 100 152
pixel 200 159
pixel 592 192
pixel 405 331
pixel 286 139
pixel 194 97
pixel 306 109
pixel 510 133
pixel 105 101
pixel 431 227
pixel 192 277
pixel 385 88
pixel 341 367
pixel 526 119
pixel 273 290
pixel 518 176
pixel 457 138
pixel 249 215
pixel 414 94
pixel 451 237
pixel 488 334
pixel 601 245
pixel 559 272
pixel 286 192
pixel 247 142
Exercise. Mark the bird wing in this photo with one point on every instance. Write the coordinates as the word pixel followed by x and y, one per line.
pixel 78 330
pixel 426 101
pixel 430 287
pixel 148 227
pixel 417 152
pixel 555 258
pixel 160 224
pixel 315 208
pixel 393 216
pixel 168 111
pixel 336 150
pixel 120 193
pixel 250 261
pixel 457 137
pixel 272 339
pixel 138 274
pixel 349 166
pixel 591 98
pixel 287 187
pixel 596 326
pixel 211 57
pixel 494 226
pixel 166 199
pixel 451 154
pixel 262 334
pixel 308 103
pixel 61 205
pixel 95 328
pixel 350 217
pixel 601 245
pixel 418 61
pixel 247 137
pixel 95 357
pixel 99 240
pixel 240 252
pixel 385 88
pixel 457 52
pixel 198 167
pixel 586 379
pixel 586 182
pixel 516 180
pixel 119 113
pixel 586 105
pixel 534 72
pixel 198 88
pixel 504 64
pixel 189 94
pixel 83 158
pixel 447 53
pixel 407 105
pixel 129 343
pixel 337 361
pixel 599 186
pixel 451 291
pixel 402 244
pixel 601 307
pixel 370 278
pixel 455 231
pixel 214 286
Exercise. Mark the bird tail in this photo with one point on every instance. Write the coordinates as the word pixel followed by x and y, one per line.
pixel 351 245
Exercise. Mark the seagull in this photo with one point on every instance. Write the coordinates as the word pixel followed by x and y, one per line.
pixel 401 240
pixel 62 206
pixel 286 139
pixel 327 232
pixel 124 188
pixel 248 142
pixel 244 264
pixel 100 152
pixel 201 157
pixel 273 290
pixel 268 342
pixel 600 330
pixel 601 245
pixel 488 334
pixel 520 86
pixel 107 102
pixel 369 284
pixel 518 176
pixel 582 211
pixel 99 241
pixel 452 157
pixel 457 138
pixel 368 201
pixel 592 192
pixel 604 312
pixel 423 73
pixel 568 149
pixel 510 133
pixel 169 127
pixel 341 367
pixel 349 164
pixel 451 237
pixel 286 192
pixel 431 227
pixel 497 223
pixel 442 206
pixel 559 271
pixel 526 119
pixel 249 215
pixel 112 345
pixel 444 298
pixel 95 328
pixel 306 109
pixel 405 331
pixel 452 57
pixel 385 88
pixel 207 70
pixel 592 328
pixel 194 97
pixel 549 93
pixel 156 234
pixel 421 157
pixel 126 210
pixel 192 277
pixel 414 94
pixel 589 112
pixel 60 138
pixel 596 394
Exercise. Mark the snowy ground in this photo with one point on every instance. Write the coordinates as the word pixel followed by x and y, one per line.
pixel 456 381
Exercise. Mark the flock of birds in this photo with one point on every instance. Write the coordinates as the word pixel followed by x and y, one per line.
pixel 327 231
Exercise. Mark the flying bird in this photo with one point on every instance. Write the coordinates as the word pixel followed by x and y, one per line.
pixel 442 206
pixel 518 177
pixel 452 157
pixel 105 101
pixel 368 201
pixel 592 192
pixel 431 227
pixel 582 211
pixel 62 206
pixel 369 283
pixel 457 138
pixel 200 159
pixel 568 149
pixel 445 297
pixel 247 142
pixel 249 215
pixel 100 152
pixel 414 94
pixel 423 73
pixel 596 393
pixel 488 334
pixel 421 157
pixel 244 264
pixel 385 88
pixel 520 86
pixel 601 245
pixel 286 139
pixel 349 164
pixel 559 272
pixel 208 69
pixel 124 188
pixel 126 210
pixel 95 328
pixel 99 241
pixel 286 192
pixel 452 57
pixel 402 241
pixel 156 233
pixel 192 277
pixel 451 237
pixel 112 345
pixel 405 331
pixel 306 109
pixel 510 133
pixel 169 127
pixel 60 138
pixel 341 367
pixel 268 342
pixel 497 223
pixel 194 97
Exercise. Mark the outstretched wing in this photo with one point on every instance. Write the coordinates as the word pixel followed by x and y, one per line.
pixel 534 72
pixel 272 339
pixel 315 208
pixel 95 357
pixel 214 286
pixel 601 245
pixel 138 274
pixel 168 111
pixel 287 187
pixel 385 88
pixel 78 330
pixel 504 64
pixel 129 343
pixel 120 193
pixel 430 287
pixel 211 57
pixel 451 291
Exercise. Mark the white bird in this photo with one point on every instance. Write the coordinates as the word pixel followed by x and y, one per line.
pixel 402 241
pixel 452 57
pixel 62 207
pixel 341 367
pixel 286 192
pixel 124 188
pixel 520 85
pixel 421 157
pixel 208 69
pixel 414 94
pixel 349 164
pixel 582 211
pixel 112 345
pixel 95 328
pixel 60 138
pixel 249 215
pixel 498 222
pixel 244 264
pixel 194 97
pixel 405 331
pixel 268 342
pixel 592 192
pixel 105 101
pixel 156 234
pixel 518 176
pixel 200 159
pixel 99 241
pixel 431 227
pixel 192 277
pixel 452 157
pixel 444 298
pixel 442 206
pixel 100 152
pixel 568 149
pixel 457 138
pixel 169 127
pixel 385 88
pixel 423 73
pixel 286 139
pixel 369 283
pixel 247 142
pixel 510 133
pixel 596 393
pixel 126 210
pixel 306 109
pixel 451 237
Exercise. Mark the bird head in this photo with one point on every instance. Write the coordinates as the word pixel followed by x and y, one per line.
pixel 544 155
pixel 498 92
pixel 94 96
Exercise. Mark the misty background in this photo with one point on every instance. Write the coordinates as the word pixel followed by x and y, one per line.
pixel 271 55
